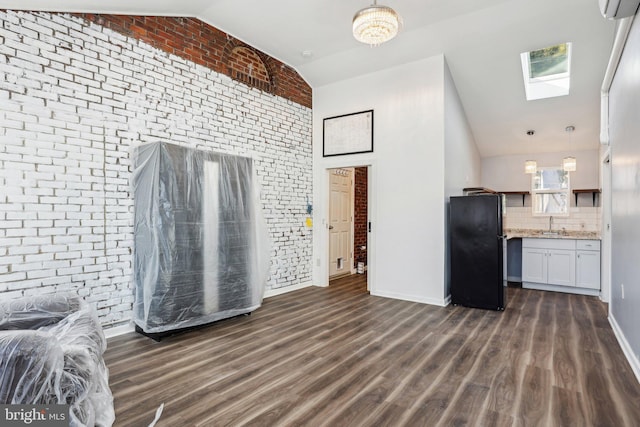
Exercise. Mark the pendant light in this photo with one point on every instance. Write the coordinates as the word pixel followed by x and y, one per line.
pixel 569 163
pixel 530 166
pixel 375 24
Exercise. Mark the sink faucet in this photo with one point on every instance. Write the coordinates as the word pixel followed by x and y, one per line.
pixel 550 223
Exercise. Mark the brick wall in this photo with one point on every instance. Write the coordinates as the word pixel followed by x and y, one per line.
pixel 360 216
pixel 74 97
pixel 203 44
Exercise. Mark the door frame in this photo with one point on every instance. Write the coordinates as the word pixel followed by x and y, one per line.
pixel 606 210
pixel 321 219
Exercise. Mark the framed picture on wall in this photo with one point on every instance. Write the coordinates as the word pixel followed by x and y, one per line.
pixel 348 134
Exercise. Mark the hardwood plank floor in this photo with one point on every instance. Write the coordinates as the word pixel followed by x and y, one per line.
pixel 337 356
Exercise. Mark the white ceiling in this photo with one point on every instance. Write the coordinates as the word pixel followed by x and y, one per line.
pixel 481 40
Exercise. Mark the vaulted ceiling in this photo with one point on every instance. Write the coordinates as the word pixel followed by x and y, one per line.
pixel 481 40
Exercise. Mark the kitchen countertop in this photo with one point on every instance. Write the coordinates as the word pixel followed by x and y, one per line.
pixel 578 235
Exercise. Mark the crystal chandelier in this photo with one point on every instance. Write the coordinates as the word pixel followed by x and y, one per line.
pixel 375 24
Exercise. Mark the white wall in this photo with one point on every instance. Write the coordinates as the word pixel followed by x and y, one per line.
pixel 624 128
pixel 462 159
pixel 407 184
pixel 73 99
pixel 506 173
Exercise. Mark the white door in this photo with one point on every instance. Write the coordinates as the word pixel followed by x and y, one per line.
pixel 534 265
pixel 588 269
pixel 340 222
pixel 561 267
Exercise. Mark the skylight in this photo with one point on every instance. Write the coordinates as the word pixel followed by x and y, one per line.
pixel 547 71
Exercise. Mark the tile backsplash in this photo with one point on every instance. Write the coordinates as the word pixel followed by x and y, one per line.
pixel 579 219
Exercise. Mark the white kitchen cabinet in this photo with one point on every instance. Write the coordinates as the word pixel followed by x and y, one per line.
pixel 534 265
pixel 561 267
pixel 564 265
pixel 547 265
pixel 588 264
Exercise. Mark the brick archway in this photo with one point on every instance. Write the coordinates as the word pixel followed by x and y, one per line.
pixel 249 66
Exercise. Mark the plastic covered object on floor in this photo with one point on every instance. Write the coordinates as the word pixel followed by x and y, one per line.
pixel 201 247
pixel 51 351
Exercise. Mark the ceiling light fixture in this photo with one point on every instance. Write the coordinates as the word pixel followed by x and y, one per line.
pixel 530 166
pixel 375 24
pixel 569 163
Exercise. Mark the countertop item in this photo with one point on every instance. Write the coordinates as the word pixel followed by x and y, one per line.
pixel 557 234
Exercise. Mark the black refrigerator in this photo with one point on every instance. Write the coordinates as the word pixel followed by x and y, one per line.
pixel 476 243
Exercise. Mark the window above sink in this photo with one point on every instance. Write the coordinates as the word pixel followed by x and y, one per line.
pixel 550 188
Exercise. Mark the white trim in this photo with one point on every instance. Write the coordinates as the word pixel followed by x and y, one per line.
pixel 284 290
pixel 622 33
pixel 352 251
pixel 605 234
pixel 560 288
pixel 447 300
pixel 414 298
pixel 321 190
pixel 626 348
pixel 620 39
pixel 119 330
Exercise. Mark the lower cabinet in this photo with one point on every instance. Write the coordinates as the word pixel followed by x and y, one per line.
pixel 564 265
pixel 561 269
pixel 588 264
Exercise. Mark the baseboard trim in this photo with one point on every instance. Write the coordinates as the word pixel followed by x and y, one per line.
pixel 279 291
pixel 558 288
pixel 626 348
pixel 414 298
pixel 119 330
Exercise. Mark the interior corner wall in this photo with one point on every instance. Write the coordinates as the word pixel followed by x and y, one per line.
pixel 506 173
pixel 406 246
pixel 74 98
pixel 462 158
pixel 624 128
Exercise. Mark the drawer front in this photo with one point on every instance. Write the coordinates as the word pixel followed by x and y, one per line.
pixel 588 245
pixel 568 244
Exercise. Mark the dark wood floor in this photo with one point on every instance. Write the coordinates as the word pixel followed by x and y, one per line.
pixel 339 357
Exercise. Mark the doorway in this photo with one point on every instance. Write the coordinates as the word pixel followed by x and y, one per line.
pixel 348 221
pixel 341 191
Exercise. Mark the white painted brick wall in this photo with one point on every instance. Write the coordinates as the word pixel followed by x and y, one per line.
pixel 74 98
pixel 579 219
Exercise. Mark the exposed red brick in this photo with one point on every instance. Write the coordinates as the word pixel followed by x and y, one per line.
pixel 360 216
pixel 199 42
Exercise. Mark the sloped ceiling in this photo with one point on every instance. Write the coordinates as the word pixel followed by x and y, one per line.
pixel 481 40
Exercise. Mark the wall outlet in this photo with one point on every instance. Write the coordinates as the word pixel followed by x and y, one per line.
pixel 318 262
pixel 622 289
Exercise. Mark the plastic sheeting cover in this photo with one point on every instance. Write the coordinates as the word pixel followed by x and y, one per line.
pixel 51 353
pixel 201 248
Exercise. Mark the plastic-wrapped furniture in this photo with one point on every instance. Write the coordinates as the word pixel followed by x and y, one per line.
pixel 51 351
pixel 201 250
